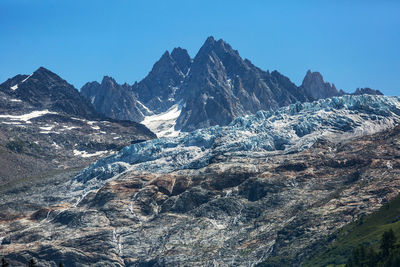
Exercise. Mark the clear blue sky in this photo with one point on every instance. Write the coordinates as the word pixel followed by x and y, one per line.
pixel 352 43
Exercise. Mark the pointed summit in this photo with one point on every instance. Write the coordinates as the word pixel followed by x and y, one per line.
pixel 219 47
pixel 311 77
pixel 182 59
pixel 46 90
pixel 209 41
pixel 43 70
pixel 108 80
pixel 157 89
pixel 316 88
pixel 112 99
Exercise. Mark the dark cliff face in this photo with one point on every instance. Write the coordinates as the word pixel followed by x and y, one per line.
pixel 316 88
pixel 222 86
pixel 157 90
pixel 114 100
pixel 46 90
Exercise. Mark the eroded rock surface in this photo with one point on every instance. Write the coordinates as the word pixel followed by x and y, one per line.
pixel 239 209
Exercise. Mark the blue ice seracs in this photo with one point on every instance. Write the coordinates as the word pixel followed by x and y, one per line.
pixel 292 128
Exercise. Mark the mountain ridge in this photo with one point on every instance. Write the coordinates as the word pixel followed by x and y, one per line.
pixel 218 85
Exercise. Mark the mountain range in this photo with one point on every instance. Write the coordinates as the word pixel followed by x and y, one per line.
pixel 250 169
pixel 213 88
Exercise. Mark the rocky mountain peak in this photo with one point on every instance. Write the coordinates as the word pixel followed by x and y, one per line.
pixel 313 77
pixel 108 81
pixel 316 88
pixel 165 63
pixel 46 77
pixel 182 59
pixel 44 71
pixel 115 100
pixel 220 48
pixel 44 89
pixel 158 88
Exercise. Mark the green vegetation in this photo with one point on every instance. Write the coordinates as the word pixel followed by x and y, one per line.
pixel 276 261
pixel 388 256
pixel 362 236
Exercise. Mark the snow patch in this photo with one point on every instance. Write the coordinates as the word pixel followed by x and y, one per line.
pixel 55 145
pixel 15 87
pixel 47 128
pixel 85 154
pixel 28 116
pixel 144 107
pixel 24 80
pixel 70 127
pixel 163 124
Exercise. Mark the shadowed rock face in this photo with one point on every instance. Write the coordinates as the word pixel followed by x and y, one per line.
pixel 316 88
pixel 157 90
pixel 237 210
pixel 222 86
pixel 115 100
pixel 46 90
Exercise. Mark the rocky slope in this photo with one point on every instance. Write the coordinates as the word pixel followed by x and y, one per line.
pixel 269 185
pixel 215 87
pixel 46 125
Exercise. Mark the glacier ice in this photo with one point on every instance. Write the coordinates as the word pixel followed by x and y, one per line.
pixel 292 128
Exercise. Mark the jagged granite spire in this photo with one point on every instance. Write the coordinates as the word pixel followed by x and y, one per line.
pixel 157 90
pixel 182 59
pixel 114 100
pixel 316 88
pixel 222 86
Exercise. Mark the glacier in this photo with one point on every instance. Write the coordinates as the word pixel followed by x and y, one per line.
pixel 286 130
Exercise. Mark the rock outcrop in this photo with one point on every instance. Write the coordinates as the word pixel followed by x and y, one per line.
pixel 316 88
pixel 115 100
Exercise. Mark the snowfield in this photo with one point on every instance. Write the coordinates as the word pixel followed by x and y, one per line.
pixel 27 117
pixel 163 124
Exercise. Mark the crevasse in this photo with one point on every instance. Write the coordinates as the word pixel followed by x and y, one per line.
pixel 292 128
